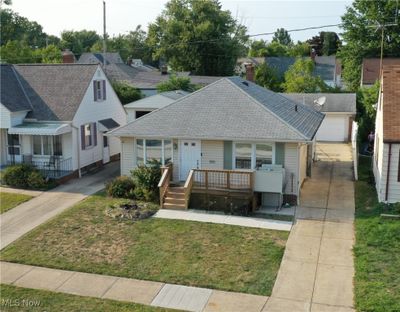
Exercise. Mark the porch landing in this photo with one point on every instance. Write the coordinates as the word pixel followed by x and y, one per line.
pixel 193 215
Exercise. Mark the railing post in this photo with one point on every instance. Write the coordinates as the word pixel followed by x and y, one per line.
pixel 228 180
pixel 206 179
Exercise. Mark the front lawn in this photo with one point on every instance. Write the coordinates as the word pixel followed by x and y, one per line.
pixel 11 200
pixel 377 249
pixel 199 254
pixel 26 299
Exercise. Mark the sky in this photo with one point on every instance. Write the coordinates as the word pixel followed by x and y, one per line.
pixel 124 15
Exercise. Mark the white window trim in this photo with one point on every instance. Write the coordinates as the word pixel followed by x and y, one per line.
pixel 162 150
pixel 52 137
pixel 253 153
pixel 19 146
pixel 91 136
pixel 100 90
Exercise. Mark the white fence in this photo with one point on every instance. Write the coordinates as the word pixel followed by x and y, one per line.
pixel 354 148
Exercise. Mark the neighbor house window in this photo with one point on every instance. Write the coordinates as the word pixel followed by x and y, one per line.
pixel 99 88
pixel 88 135
pixel 47 145
pixel 14 147
pixel 160 150
pixel 252 155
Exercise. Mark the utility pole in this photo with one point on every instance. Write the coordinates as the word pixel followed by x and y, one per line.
pixel 104 34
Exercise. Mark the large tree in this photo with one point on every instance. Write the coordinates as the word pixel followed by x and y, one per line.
pixel 282 36
pixel 299 78
pixel 79 41
pixel 198 36
pixel 326 43
pixel 363 36
pixel 267 77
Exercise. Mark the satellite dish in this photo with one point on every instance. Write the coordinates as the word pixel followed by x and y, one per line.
pixel 318 103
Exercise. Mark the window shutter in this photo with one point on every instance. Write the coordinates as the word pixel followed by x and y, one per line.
pixel 94 134
pixel 83 137
pixel 104 89
pixel 94 90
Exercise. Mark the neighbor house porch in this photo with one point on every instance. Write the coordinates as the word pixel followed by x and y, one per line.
pixel 46 146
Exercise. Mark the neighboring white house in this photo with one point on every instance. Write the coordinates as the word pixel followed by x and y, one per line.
pixel 387 137
pixel 55 117
pixel 150 103
pixel 232 134
pixel 339 109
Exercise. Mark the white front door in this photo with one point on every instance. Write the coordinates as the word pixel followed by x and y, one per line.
pixel 106 150
pixel 190 157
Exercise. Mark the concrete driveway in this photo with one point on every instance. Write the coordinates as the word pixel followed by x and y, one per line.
pixel 25 217
pixel 317 269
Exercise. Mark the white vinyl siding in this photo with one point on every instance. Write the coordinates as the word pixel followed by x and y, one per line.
pixel 9 119
pixel 212 154
pixel 127 156
pixel 175 157
pixel 394 184
pixel 302 163
pixel 291 168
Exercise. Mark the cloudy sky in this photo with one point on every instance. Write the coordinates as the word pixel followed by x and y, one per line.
pixel 123 15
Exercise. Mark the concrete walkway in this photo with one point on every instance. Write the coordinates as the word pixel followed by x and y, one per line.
pixel 224 219
pixel 317 269
pixel 131 290
pixel 20 191
pixel 25 217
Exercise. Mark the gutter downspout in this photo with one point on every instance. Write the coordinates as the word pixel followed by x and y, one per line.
pixel 387 173
pixel 78 151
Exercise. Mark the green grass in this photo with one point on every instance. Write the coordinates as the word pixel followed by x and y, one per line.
pixel 377 249
pixel 25 299
pixel 11 200
pixel 217 256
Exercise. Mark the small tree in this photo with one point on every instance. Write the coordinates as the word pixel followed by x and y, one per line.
pixel 282 36
pixel 366 100
pixel 176 83
pixel 126 93
pixel 299 78
pixel 267 77
pixel 146 178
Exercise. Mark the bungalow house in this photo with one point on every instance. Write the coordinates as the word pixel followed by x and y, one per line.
pixel 55 117
pixel 231 136
pixel 386 162
pixel 371 67
pixel 148 104
pixel 339 109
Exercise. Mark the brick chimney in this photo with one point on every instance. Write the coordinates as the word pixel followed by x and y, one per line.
pixel 313 54
pixel 249 72
pixel 68 57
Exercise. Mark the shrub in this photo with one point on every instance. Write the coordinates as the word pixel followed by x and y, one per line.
pixel 122 187
pixel 146 179
pixel 17 175
pixel 36 180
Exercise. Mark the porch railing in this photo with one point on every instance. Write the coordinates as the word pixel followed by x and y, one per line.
pixel 223 179
pixel 188 188
pixel 54 168
pixel 166 175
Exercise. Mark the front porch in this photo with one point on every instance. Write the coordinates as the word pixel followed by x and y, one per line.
pixel 241 191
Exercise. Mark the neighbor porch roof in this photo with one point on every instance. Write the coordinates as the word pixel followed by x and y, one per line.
pixel 38 128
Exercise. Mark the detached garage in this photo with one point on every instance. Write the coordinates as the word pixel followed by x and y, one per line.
pixel 339 110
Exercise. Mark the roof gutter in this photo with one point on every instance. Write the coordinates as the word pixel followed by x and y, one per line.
pixel 387 173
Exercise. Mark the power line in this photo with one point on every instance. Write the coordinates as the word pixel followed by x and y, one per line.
pixel 297 29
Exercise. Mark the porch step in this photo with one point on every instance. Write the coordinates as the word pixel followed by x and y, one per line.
pixel 175 198
pixel 174 206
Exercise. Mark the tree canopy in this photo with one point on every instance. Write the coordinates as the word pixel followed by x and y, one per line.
pixel 360 23
pixel 326 43
pixel 282 36
pixel 176 83
pixel 299 78
pixel 78 41
pixel 126 93
pixel 198 36
pixel 267 77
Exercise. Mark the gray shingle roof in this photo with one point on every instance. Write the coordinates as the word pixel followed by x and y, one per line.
pixel 109 123
pixel 55 90
pixel 111 58
pixel 12 95
pixel 230 108
pixel 335 102
pixel 157 101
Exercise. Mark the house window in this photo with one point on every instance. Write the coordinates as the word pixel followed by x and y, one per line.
pixel 252 155
pixel 14 147
pixel 47 145
pixel 88 135
pixel 243 155
pixel 147 150
pixel 99 87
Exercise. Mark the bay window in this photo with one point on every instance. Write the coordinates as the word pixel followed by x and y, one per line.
pixel 160 150
pixel 252 155
pixel 47 145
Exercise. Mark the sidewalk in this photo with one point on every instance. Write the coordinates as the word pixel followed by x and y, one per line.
pixel 317 269
pixel 131 290
pixel 25 217
pixel 224 219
